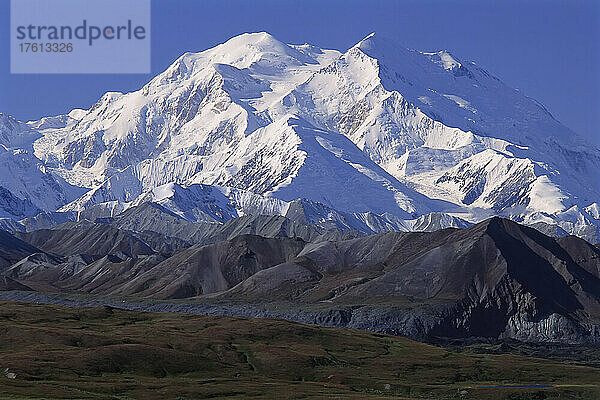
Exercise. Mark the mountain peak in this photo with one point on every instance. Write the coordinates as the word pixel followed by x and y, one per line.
pixel 402 58
pixel 377 45
pixel 260 51
pixel 369 36
pixel 256 42
pixel 388 51
pixel 254 38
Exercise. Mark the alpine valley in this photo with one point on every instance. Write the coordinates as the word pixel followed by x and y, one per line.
pixel 261 171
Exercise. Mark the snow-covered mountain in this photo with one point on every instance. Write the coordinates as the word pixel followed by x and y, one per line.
pixel 369 139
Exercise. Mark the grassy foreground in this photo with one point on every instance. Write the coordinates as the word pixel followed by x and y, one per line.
pixel 103 353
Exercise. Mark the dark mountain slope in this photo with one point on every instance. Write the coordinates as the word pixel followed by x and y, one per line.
pixel 85 238
pixel 495 279
pixel 189 272
pixel 211 268
pixel 12 249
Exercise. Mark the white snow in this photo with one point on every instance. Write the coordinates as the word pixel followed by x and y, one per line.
pixel 253 124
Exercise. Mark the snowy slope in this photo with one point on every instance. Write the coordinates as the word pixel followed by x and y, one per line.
pixel 407 111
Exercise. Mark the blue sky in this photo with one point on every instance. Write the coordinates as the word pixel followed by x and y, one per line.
pixel 548 49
